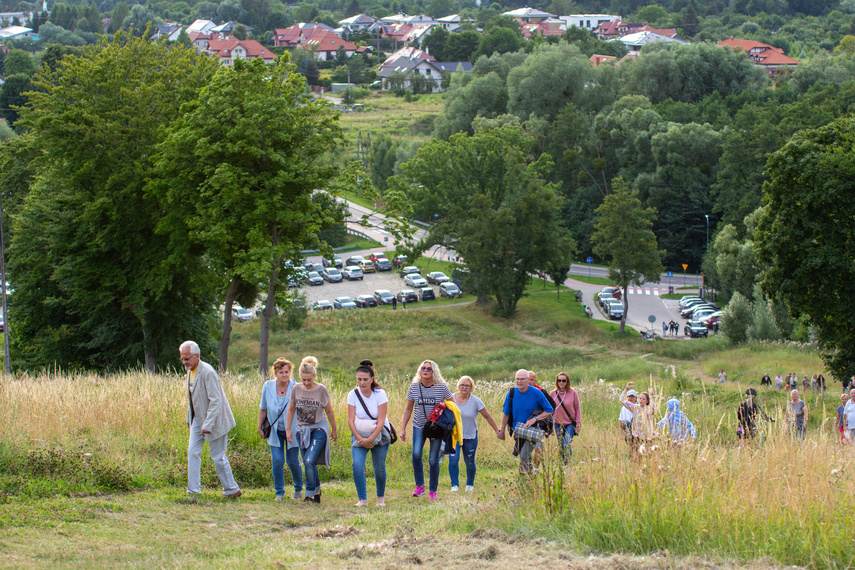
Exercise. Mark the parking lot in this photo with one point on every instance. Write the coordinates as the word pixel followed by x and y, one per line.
pixel 366 286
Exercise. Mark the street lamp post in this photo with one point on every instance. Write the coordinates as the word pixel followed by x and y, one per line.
pixel 707 216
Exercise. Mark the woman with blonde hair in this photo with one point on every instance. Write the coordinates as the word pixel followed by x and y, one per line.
pixel 275 401
pixel 309 402
pixel 643 424
pixel 796 415
pixel 426 391
pixel 470 406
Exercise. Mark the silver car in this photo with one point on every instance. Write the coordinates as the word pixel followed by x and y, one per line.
pixel 415 280
pixel 332 275
pixel 352 272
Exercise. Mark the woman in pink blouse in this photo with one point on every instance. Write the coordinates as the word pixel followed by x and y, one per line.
pixel 567 418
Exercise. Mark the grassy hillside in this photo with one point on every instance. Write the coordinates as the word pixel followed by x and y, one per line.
pixel 93 468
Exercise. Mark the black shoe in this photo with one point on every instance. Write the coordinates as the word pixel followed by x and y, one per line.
pixel 317 498
pixel 309 500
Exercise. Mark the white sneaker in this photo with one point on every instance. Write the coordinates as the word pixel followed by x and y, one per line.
pixel 454 488
pixel 298 495
pixel 469 488
pixel 279 497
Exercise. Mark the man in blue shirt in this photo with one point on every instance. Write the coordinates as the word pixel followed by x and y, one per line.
pixel 528 407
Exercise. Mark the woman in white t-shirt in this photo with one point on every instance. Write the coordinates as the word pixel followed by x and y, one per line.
pixel 367 411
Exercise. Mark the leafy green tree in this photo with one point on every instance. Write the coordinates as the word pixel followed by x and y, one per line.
pixel 805 236
pixel 13 95
pixel 461 46
pixel 347 99
pixel 498 40
pixel 624 236
pixel 184 38
pixel 736 318
pixel 468 98
pixel 435 42
pixel 256 144
pixel 494 208
pixel 240 32
pixel 120 12
pixel 18 61
pixel 440 8
pixel 763 327
pixel 95 285
pixel 652 14
pixel 352 8
pixel 547 80
pixel 558 269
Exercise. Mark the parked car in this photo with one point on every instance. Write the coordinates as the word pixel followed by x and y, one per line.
pixel 437 277
pixel 713 322
pixel 688 311
pixel 399 260
pixel 367 266
pixel 332 275
pixel 383 264
pixel 692 303
pixel 377 255
pixel 383 296
pixel 354 260
pixel 426 294
pixel 407 294
pixel 241 314
pixel 614 309
pixel 408 270
pixel 701 314
pixel 365 301
pixel 315 278
pixel 449 290
pixel 605 297
pixel 686 298
pixel 715 315
pixel 334 262
pixel 415 280
pixel 318 267
pixel 307 265
pixel 344 303
pixel 694 329
pixel 322 305
pixel 352 272
pixel 614 291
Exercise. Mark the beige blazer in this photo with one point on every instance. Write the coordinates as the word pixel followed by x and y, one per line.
pixel 209 402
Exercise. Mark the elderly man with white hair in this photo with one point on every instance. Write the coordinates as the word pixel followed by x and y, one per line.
pixel 209 418
pixel 523 408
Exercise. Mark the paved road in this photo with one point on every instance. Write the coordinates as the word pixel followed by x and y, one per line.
pixel 642 303
pixel 678 280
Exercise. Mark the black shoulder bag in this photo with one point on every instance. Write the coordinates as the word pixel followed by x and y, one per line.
pixel 393 435
pixel 267 427
pixel 430 429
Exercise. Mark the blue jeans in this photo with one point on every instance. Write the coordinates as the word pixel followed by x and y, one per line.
pixel 469 447
pixel 565 435
pixel 378 460
pixel 433 459
pixel 280 458
pixel 310 457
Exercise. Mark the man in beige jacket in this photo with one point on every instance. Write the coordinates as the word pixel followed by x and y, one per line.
pixel 210 418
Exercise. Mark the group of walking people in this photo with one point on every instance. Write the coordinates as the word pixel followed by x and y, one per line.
pixel 639 426
pixel 792 382
pixel 297 419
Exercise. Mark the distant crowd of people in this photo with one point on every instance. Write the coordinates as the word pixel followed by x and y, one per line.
pixel 297 420
pixel 791 382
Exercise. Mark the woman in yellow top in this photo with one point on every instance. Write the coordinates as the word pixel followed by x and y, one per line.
pixel 643 421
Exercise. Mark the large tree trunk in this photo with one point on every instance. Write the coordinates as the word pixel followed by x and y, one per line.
pixel 264 342
pixel 231 292
pixel 625 310
pixel 269 307
pixel 150 350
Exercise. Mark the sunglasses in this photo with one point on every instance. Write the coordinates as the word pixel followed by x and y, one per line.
pixel 427 369
pixel 562 380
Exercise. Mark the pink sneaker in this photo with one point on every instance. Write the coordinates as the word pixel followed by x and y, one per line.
pixel 432 496
pixel 420 490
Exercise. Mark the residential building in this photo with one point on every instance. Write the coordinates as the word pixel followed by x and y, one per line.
pixel 768 57
pixel 409 53
pixel 225 30
pixel 17 32
pixel 618 28
pixel 634 42
pixel 230 49
pixel 588 22
pixel 547 27
pixel 297 34
pixel 326 45
pixel 405 19
pixel 201 26
pixel 453 22
pixel 170 31
pixel 400 71
pixel 528 15
pixel 597 59
pixel 358 23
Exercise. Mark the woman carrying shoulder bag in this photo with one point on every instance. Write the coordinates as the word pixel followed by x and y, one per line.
pixel 275 400
pixel 367 416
